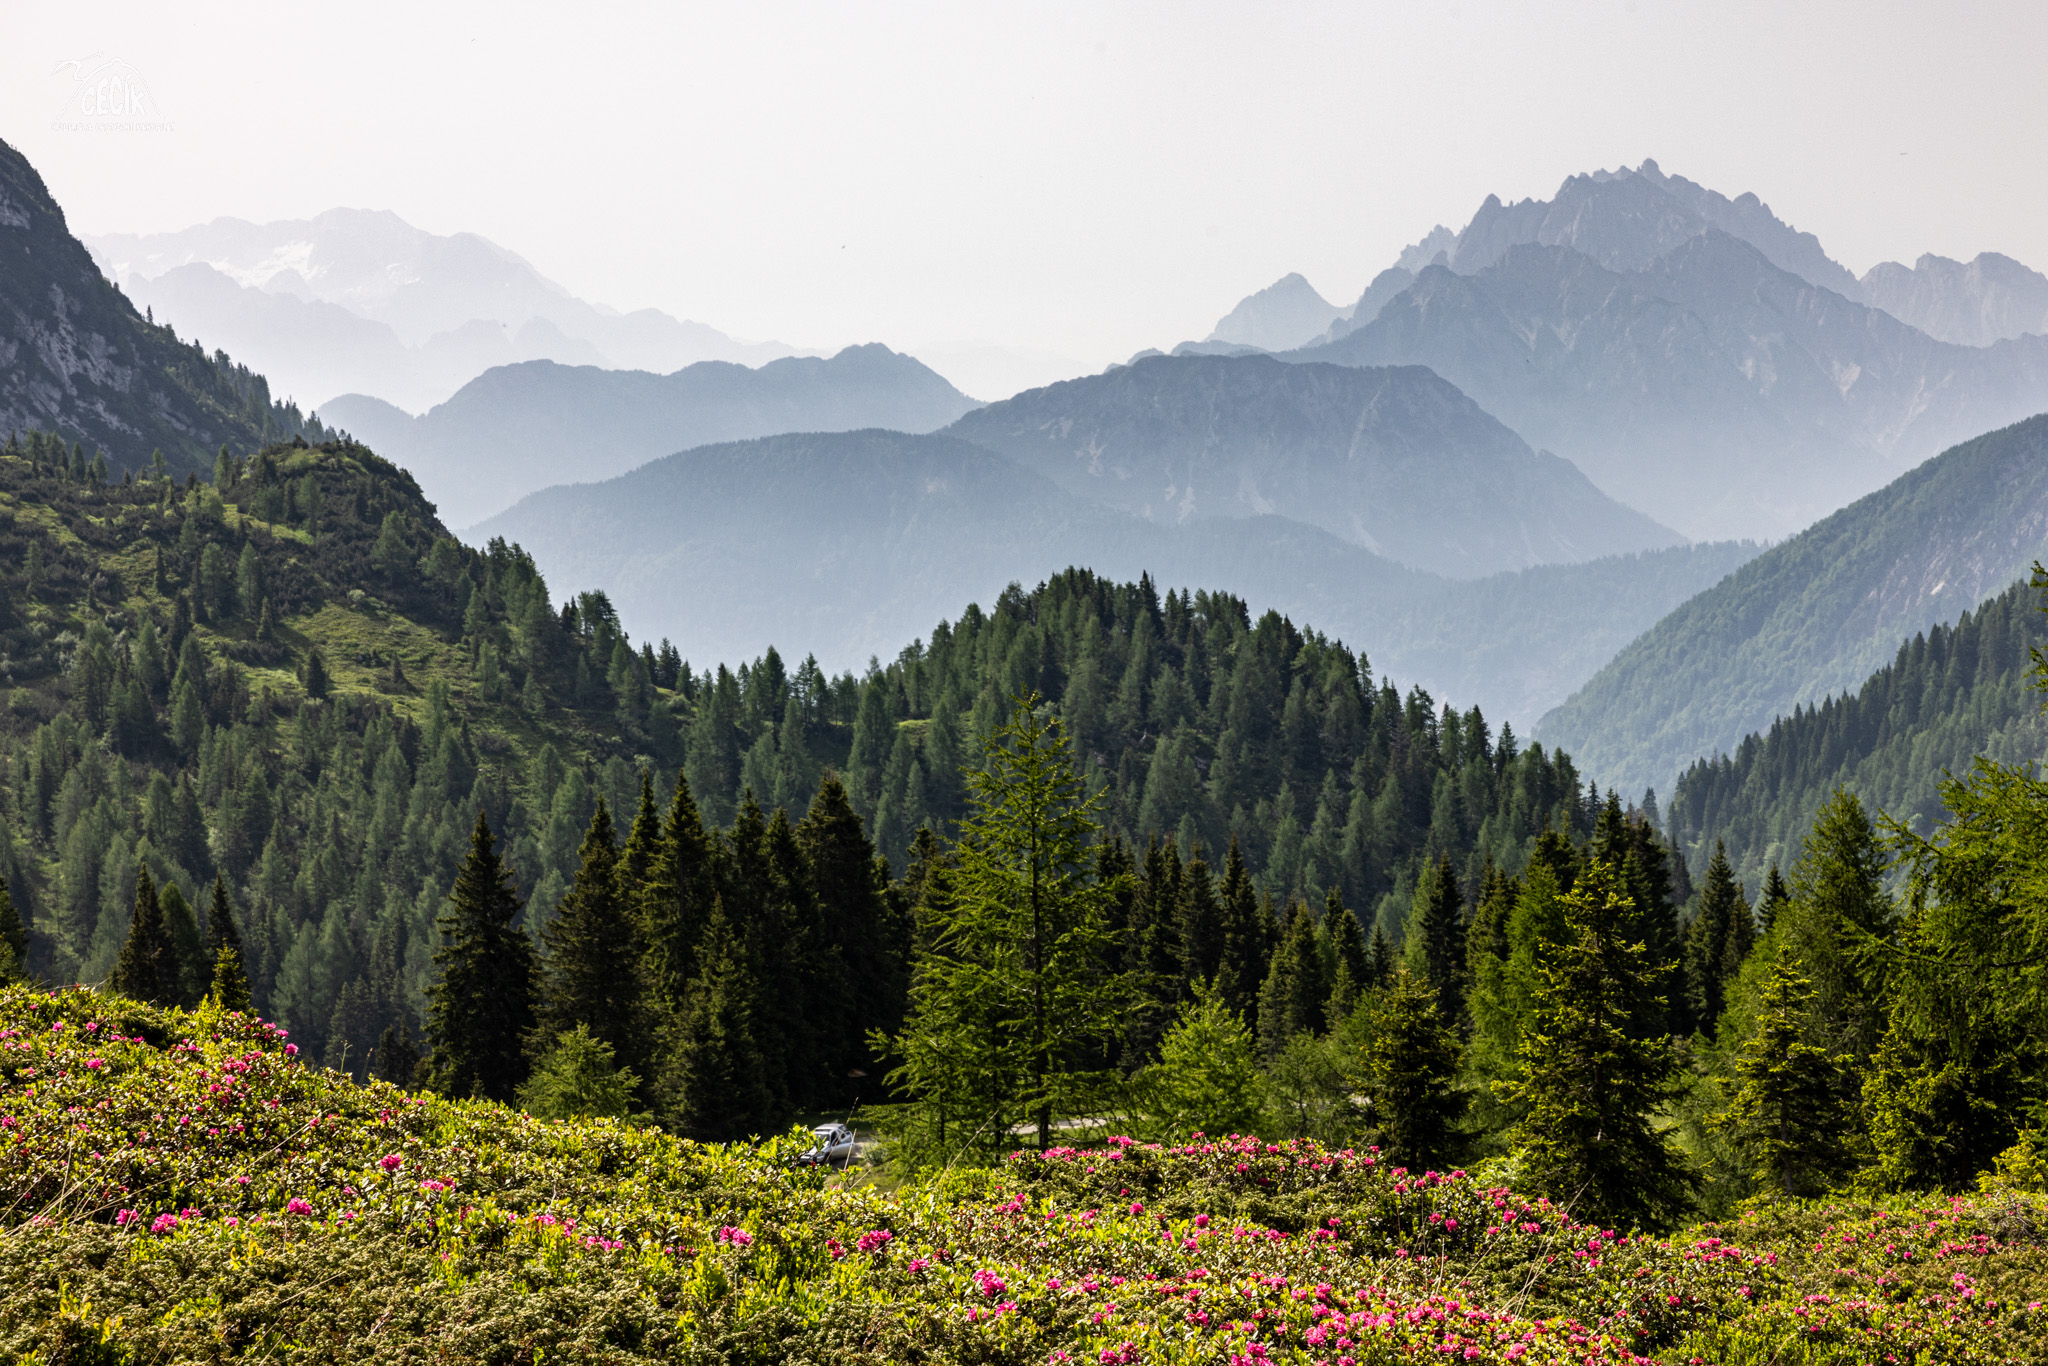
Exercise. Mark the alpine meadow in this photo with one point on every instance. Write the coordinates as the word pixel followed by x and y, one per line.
pixel 1502 822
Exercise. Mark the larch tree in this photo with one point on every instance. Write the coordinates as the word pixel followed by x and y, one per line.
pixel 1013 1007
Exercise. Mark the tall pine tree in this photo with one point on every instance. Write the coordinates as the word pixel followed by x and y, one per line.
pixel 148 967
pixel 1411 1068
pixel 1790 1117
pixel 481 1004
pixel 1591 1083
pixel 592 972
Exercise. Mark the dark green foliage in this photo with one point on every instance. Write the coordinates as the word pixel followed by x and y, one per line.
pixel 1437 929
pixel 717 1085
pixel 1963 1063
pixel 1717 941
pixel 188 948
pixel 148 968
pixel 1838 914
pixel 590 975
pixel 1411 1068
pixel 1296 992
pixel 13 938
pixel 1791 1116
pixel 1351 961
pixel 1591 1084
pixel 482 1000
pixel 398 1057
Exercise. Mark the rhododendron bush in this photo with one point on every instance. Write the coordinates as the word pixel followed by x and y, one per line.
pixel 183 1187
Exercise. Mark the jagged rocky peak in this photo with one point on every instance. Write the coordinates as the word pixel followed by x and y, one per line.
pixel 1972 303
pixel 1628 217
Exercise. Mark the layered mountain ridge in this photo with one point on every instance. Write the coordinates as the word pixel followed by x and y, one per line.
pixel 508 431
pixel 1393 459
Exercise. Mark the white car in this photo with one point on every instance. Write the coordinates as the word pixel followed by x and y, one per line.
pixel 835 1147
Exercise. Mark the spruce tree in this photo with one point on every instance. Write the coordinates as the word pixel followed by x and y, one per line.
pixel 1776 895
pixel 1437 933
pixel 1838 916
pixel 1199 921
pixel 1379 959
pixel 398 1058
pixel 716 1085
pixel 1790 1117
pixel 591 972
pixel 1590 1083
pixel 13 938
pixel 864 929
pixel 1411 1065
pixel 1296 989
pixel 1247 939
pixel 147 968
pixel 1717 941
pixel 481 1003
pixel 230 976
pixel 181 927
pixel 676 899
pixel 1353 965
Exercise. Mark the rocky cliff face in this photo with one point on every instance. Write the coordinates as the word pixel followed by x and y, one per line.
pixel 77 359
pixel 1992 298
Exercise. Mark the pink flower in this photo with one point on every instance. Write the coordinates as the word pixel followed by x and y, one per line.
pixel 738 1237
pixel 126 1217
pixel 297 1206
pixel 392 1163
pixel 991 1284
pixel 163 1223
pixel 1137 1208
pixel 874 1238
pixel 291 1050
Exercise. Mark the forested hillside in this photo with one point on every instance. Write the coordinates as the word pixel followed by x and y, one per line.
pixel 291 678
pixel 1814 615
pixel 1953 692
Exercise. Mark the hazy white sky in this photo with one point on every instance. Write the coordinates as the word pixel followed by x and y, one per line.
pixel 1084 179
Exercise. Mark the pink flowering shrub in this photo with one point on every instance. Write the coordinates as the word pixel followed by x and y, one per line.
pixel 202 1196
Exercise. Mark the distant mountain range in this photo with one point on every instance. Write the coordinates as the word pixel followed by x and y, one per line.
pixel 518 428
pixel 1697 357
pixel 1396 460
pixel 1992 298
pixel 842 540
pixel 355 300
pixel 78 359
pixel 1816 614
